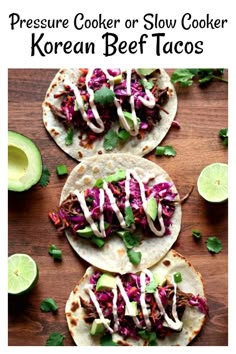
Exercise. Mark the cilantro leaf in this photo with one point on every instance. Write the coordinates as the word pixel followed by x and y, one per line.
pixel 129 239
pixel 48 305
pixel 55 252
pixel 150 337
pixel 123 135
pixel 104 96
pixel 99 183
pixel 55 339
pixel 106 340
pixel 223 134
pixel 69 137
pixel 165 150
pixel 214 245
pixel 151 287
pixel 129 216
pixel 44 179
pixel 196 233
pixel 183 76
pixel 146 72
pixel 134 257
pixel 110 140
pixel 147 84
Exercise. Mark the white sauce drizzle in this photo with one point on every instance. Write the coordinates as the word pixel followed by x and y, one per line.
pixel 114 205
pixel 87 213
pixel 142 300
pixel 101 205
pixel 127 188
pixel 126 299
pixel 98 308
pixel 175 325
pixel 144 202
pixel 114 309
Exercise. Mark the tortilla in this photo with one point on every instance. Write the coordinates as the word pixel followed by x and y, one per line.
pixel 113 256
pixel 138 146
pixel 192 319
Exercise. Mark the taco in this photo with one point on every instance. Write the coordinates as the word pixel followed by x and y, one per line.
pixel 164 305
pixel 95 111
pixel 120 212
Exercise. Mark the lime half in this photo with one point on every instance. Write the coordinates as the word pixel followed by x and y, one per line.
pixel 212 182
pixel 22 273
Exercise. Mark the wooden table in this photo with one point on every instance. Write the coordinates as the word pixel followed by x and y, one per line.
pixel 201 113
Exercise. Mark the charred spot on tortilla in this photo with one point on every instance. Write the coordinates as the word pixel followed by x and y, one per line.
pixel 87 179
pixel 166 262
pixel 54 132
pixel 80 154
pixel 74 306
pixel 81 169
pixel 73 321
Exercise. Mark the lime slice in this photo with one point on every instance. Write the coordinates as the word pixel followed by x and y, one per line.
pixel 212 182
pixel 22 273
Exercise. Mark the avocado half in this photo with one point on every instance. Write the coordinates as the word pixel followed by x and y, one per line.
pixel 24 162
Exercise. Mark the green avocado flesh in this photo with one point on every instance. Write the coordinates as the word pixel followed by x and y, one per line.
pixel 24 162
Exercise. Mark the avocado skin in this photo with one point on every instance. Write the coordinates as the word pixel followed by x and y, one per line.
pixel 32 164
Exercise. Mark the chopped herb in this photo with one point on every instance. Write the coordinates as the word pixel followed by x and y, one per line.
pixel 110 140
pixel 185 76
pixel 61 170
pixel 147 84
pixel 69 136
pixel 55 339
pixel 99 183
pixel 165 150
pixel 98 241
pixel 48 305
pixel 196 233
pixel 104 96
pixel 55 252
pixel 129 240
pixel 123 135
pixel 223 134
pixel 116 177
pixel 44 179
pixel 106 340
pixel 129 216
pixel 146 72
pixel 150 337
pixel 177 277
pixel 214 245
pixel 134 257
pixel 152 286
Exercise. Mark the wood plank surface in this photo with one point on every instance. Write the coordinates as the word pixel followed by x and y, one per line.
pixel 201 113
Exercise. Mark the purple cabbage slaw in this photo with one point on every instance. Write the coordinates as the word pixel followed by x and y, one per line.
pixel 70 214
pixel 72 117
pixel 131 283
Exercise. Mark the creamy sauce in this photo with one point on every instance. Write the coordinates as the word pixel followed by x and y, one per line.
pixel 134 129
pixel 98 308
pixel 87 213
pixel 106 190
pixel 168 322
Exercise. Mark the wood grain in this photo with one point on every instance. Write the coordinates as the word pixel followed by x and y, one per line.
pixel 201 113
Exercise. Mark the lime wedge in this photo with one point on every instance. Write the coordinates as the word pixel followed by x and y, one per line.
pixel 212 182
pixel 22 273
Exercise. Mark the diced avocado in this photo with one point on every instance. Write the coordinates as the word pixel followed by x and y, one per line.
pixel 87 232
pixel 117 79
pixel 152 208
pixel 159 278
pixel 116 177
pixel 98 326
pixel 24 162
pixel 106 282
pixel 133 306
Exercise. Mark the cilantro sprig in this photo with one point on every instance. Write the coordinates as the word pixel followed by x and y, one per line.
pixel 214 245
pixel 69 137
pixel 55 339
pixel 48 305
pixel 186 77
pixel 45 177
pixel 166 150
pixel 104 96
pixel 223 134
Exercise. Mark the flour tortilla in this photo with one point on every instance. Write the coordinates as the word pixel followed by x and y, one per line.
pixel 138 147
pixel 113 256
pixel 193 319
